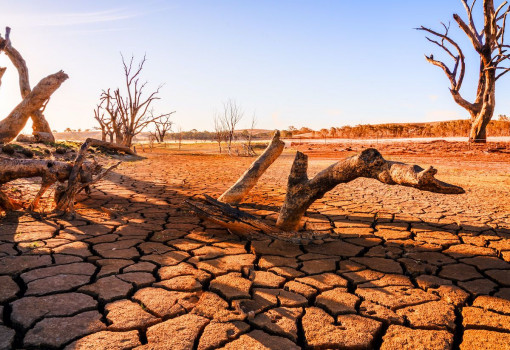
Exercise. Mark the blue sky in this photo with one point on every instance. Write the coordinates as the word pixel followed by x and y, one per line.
pixel 302 63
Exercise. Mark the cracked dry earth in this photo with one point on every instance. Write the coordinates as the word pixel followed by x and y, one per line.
pixel 134 269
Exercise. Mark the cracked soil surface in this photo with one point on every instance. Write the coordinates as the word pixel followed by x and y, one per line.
pixel 134 269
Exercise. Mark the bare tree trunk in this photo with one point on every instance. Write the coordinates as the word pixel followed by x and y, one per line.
pixel 128 140
pixel 482 116
pixel 478 131
pixel 39 123
pixel 12 125
pixel 240 189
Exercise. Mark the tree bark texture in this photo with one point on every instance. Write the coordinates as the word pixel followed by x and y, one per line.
pixel 12 125
pixel 236 193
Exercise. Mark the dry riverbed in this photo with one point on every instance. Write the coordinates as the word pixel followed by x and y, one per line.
pixel 134 269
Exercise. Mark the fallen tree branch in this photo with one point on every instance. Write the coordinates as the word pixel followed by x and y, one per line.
pixel 302 192
pixel 49 171
pixel 77 181
pixel 245 225
pixel 79 175
pixel 236 193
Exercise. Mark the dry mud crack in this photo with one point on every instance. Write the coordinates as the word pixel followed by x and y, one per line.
pixel 408 270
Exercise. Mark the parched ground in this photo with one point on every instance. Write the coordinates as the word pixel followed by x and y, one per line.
pixel 134 269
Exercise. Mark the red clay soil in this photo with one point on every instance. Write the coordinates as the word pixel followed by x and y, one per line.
pixel 134 269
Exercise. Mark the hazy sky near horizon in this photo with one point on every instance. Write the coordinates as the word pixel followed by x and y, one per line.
pixel 302 63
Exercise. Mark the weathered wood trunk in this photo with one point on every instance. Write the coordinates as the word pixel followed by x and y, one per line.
pixel 302 192
pixel 236 193
pixel 12 125
pixel 39 123
pixel 484 109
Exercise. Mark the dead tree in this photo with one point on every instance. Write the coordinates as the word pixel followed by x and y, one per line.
pixel 232 115
pixel 128 110
pixel 490 45
pixel 41 128
pixel 220 133
pixel 108 103
pixel 76 182
pixel 178 136
pixel 105 123
pixel 162 125
pixel 249 136
pixel 302 192
pixel 80 175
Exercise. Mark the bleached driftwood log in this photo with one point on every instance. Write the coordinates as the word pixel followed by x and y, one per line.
pixel 11 126
pixel 302 192
pixel 236 193
pixel 40 126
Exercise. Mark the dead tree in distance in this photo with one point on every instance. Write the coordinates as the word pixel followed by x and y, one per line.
pixel 129 110
pixel 232 115
pixel 302 192
pixel 105 123
pixel 220 132
pixel 162 126
pixel 33 101
pixel 490 45
pixel 249 136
